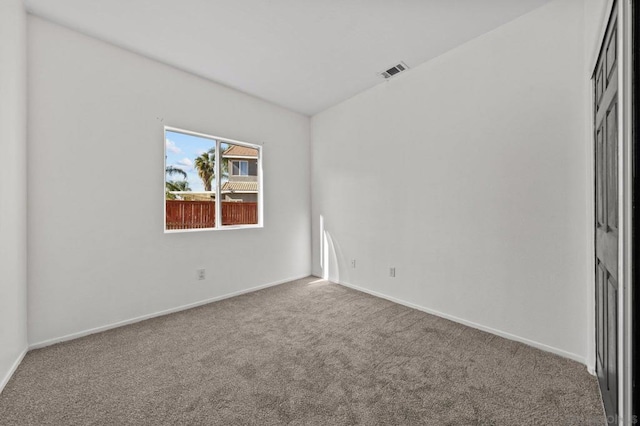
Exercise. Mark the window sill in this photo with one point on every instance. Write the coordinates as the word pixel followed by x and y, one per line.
pixel 224 228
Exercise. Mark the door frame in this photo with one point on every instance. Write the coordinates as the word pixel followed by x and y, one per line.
pixel 626 181
pixel 633 43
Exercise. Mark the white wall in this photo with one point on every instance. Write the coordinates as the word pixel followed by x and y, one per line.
pixel 495 137
pixel 13 187
pixel 97 251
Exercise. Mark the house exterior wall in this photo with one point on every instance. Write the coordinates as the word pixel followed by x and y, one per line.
pixel 245 198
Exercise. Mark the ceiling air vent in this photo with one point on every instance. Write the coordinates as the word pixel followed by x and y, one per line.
pixel 396 69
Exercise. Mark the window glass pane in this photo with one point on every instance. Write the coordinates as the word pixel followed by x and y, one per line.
pixel 189 181
pixel 239 190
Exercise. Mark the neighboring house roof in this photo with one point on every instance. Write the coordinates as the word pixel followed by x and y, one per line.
pixel 240 187
pixel 238 151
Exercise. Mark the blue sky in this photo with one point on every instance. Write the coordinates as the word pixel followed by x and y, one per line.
pixel 181 150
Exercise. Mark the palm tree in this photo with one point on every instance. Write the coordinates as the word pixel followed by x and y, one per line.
pixel 206 166
pixel 173 170
pixel 178 185
pixel 175 185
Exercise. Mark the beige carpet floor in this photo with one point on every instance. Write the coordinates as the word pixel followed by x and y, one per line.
pixel 303 353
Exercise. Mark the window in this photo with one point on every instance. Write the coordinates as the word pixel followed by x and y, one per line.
pixel 201 170
pixel 240 168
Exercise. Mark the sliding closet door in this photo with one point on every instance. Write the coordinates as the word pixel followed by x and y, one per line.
pixel 606 224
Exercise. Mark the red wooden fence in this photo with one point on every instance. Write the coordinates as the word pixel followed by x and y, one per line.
pixel 234 213
pixel 202 214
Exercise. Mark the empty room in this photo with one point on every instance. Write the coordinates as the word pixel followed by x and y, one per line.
pixel 412 212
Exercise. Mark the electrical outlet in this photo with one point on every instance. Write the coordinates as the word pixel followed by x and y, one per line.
pixel 201 274
pixel 392 272
pixel 353 263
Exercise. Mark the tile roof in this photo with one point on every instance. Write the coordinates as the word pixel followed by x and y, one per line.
pixel 240 151
pixel 240 186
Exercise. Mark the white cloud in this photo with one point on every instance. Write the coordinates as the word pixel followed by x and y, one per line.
pixel 171 146
pixel 185 162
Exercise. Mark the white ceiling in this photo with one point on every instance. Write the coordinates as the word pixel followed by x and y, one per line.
pixel 305 55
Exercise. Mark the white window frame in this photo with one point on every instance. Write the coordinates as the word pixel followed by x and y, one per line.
pixel 246 162
pixel 218 224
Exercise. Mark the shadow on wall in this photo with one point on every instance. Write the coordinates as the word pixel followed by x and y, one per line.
pixel 330 254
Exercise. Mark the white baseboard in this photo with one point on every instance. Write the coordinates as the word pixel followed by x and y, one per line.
pixel 12 370
pixel 83 333
pixel 500 333
pixel 491 330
